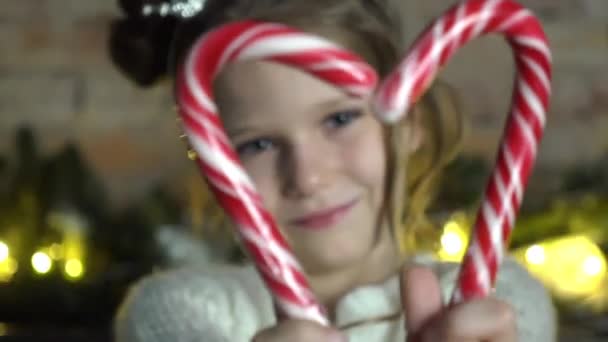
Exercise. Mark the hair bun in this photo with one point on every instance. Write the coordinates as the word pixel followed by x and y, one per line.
pixel 134 8
pixel 140 47
pixel 145 47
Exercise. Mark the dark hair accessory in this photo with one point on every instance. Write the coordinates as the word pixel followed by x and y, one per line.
pixel 174 8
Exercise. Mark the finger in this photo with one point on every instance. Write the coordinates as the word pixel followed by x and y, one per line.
pixel 420 297
pixel 484 319
pixel 279 313
pixel 299 331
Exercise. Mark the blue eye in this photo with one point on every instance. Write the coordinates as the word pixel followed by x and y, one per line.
pixel 254 146
pixel 343 118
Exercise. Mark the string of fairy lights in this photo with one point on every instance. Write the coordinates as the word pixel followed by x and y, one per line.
pixel 572 266
pixel 68 254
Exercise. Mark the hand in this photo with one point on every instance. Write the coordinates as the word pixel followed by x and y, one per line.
pixel 299 331
pixel 428 320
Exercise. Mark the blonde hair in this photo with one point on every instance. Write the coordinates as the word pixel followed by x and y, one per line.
pixel 374 29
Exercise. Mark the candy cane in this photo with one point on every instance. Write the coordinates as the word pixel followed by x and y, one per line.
pixel 234 190
pixel 524 129
pixel 249 40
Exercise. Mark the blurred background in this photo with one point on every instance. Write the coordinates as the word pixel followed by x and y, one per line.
pixel 96 190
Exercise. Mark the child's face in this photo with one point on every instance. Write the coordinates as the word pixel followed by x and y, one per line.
pixel 316 155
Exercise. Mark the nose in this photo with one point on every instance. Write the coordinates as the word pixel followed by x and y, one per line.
pixel 307 169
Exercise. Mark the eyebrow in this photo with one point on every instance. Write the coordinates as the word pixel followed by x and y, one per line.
pixel 240 131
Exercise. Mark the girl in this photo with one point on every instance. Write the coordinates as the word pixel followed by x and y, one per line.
pixel 348 194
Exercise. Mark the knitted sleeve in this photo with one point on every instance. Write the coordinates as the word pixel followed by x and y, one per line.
pixel 536 315
pixel 211 305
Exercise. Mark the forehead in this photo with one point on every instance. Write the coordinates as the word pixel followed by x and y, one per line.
pixel 265 87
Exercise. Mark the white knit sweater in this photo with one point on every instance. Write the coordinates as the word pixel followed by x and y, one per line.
pixel 229 303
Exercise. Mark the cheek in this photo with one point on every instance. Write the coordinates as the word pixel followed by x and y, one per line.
pixel 263 175
pixel 366 158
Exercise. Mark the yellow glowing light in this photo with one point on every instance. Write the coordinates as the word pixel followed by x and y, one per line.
pixel 73 245
pixel 535 255
pixel 593 266
pixel 41 262
pixel 573 266
pixel 453 241
pixel 74 268
pixel 8 268
pixel 4 251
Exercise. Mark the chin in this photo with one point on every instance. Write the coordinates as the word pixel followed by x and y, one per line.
pixel 331 255
pixel 342 246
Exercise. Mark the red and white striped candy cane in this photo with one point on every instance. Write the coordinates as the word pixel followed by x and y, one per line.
pixel 524 128
pixel 254 40
pixel 234 190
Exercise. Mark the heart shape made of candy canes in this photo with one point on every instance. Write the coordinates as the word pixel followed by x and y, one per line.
pixel 253 40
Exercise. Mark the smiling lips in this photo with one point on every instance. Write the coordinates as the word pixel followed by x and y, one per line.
pixel 325 218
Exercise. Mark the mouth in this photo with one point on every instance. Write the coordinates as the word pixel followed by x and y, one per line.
pixel 325 218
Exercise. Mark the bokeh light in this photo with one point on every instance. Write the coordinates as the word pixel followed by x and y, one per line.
pixel 42 263
pixel 74 269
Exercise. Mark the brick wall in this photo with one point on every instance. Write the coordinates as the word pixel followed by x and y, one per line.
pixel 577 128
pixel 56 76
